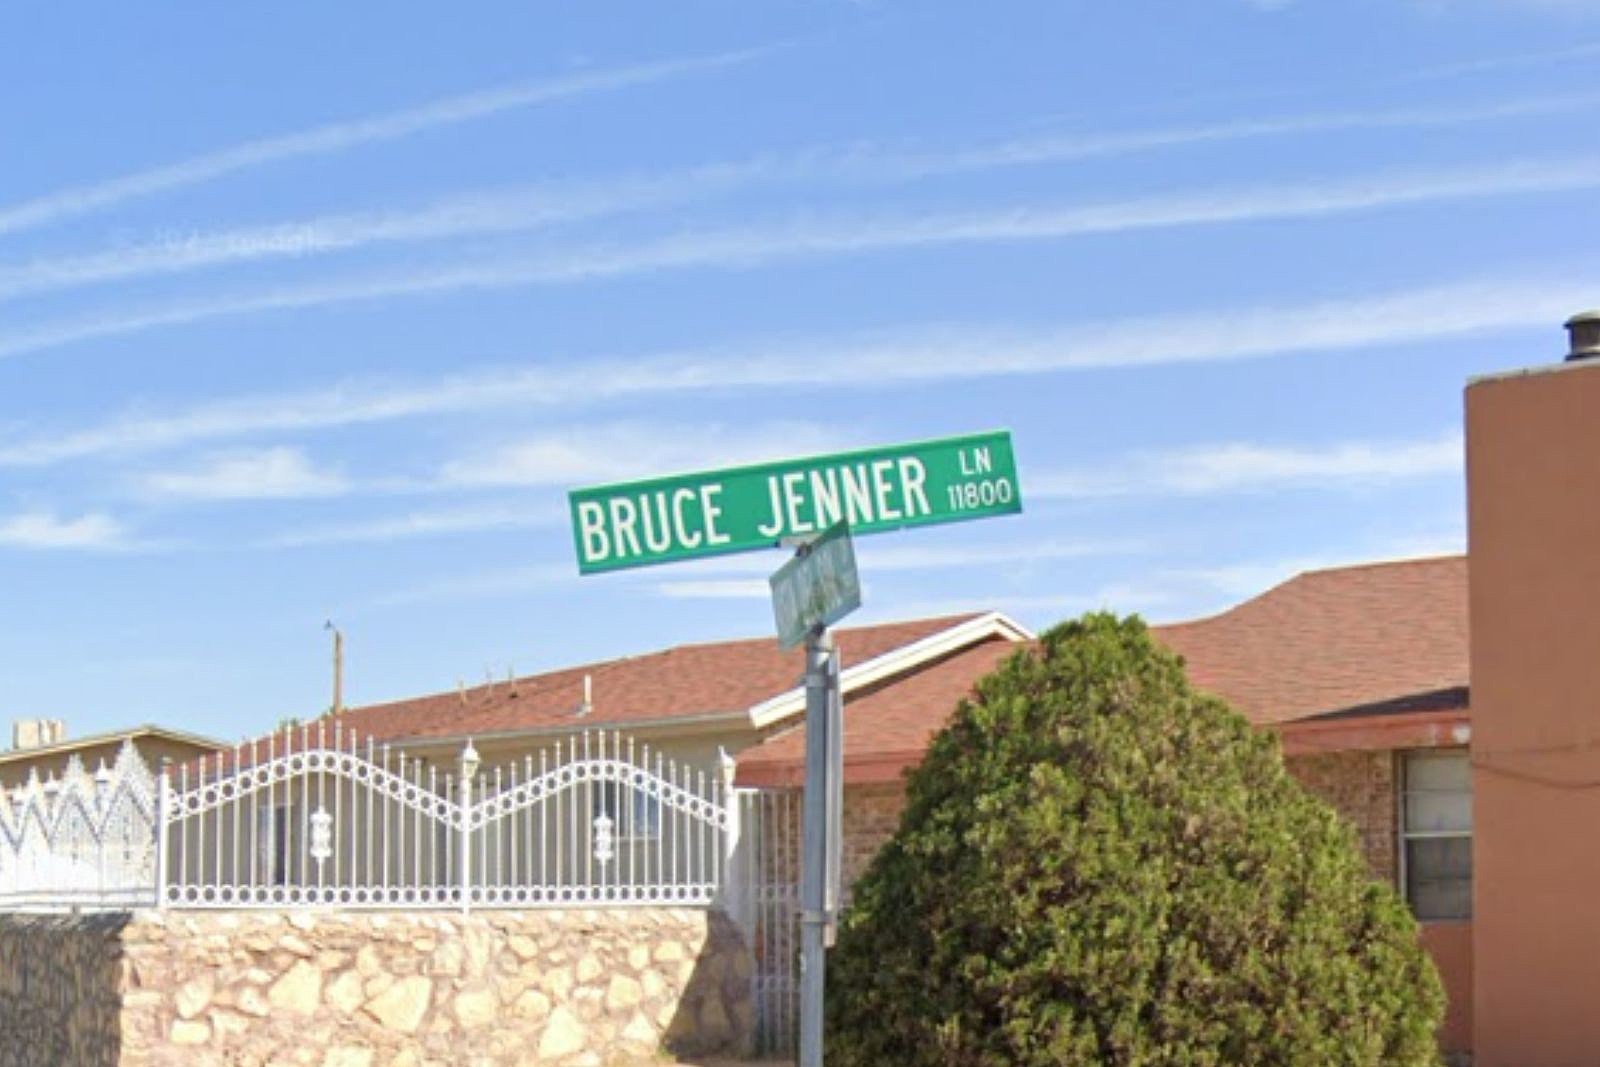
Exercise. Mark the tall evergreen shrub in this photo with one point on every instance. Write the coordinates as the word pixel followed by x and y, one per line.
pixel 1099 865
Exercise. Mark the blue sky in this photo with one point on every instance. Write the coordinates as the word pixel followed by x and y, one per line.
pixel 317 311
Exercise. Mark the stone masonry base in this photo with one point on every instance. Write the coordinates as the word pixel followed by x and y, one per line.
pixel 383 989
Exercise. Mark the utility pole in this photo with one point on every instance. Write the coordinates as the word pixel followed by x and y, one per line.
pixel 338 666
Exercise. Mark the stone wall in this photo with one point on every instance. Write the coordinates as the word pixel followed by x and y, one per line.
pixel 492 989
pixel 60 990
pixel 1361 786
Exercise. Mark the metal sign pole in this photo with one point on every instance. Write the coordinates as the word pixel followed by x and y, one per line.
pixel 833 889
pixel 821 680
pixel 814 503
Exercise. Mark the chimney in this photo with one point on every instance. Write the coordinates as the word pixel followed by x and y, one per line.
pixel 37 733
pixel 1584 330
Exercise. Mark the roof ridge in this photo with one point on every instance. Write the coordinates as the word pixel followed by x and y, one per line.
pixel 1314 572
pixel 952 620
pixel 599 667
pixel 1372 564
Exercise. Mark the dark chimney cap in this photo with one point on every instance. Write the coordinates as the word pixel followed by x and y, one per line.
pixel 1584 330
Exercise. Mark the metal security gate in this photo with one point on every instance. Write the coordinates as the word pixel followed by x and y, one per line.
pixel 770 838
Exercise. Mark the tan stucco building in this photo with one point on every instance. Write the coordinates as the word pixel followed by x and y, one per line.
pixel 46 753
pixel 1533 473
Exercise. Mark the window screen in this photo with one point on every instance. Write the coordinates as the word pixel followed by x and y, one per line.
pixel 1436 833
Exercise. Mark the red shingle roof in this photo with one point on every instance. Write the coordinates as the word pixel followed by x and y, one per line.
pixel 891 724
pixel 1381 634
pixel 686 682
pixel 1360 640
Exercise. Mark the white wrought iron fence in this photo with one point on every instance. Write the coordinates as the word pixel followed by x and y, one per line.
pixel 80 840
pixel 314 817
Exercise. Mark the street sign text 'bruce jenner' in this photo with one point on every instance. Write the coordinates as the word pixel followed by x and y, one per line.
pixel 743 508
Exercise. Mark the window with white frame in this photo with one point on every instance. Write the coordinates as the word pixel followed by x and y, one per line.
pixel 1436 833
pixel 634 813
pixel 272 845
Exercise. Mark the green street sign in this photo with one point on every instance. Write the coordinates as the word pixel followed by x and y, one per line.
pixel 660 520
pixel 818 587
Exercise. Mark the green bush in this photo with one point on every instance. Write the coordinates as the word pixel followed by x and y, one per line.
pixel 1099 865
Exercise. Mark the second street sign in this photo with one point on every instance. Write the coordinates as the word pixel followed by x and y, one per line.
pixel 818 587
pixel 635 524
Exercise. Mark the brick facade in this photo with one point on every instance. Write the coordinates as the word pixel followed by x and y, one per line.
pixel 871 816
pixel 1361 787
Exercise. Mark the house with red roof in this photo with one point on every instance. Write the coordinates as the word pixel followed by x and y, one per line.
pixel 692 703
pixel 1361 671
pixel 1463 756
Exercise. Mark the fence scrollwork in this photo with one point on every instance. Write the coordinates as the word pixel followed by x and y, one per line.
pixel 314 817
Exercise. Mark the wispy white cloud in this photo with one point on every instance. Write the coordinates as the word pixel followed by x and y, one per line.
pixel 962 557
pixel 883 360
pixel 433 522
pixel 345 404
pixel 1198 589
pixel 712 580
pixel 616 451
pixel 340 136
pixel 1572 7
pixel 1045 607
pixel 256 474
pixel 881 559
pixel 510 581
pixel 509 211
pixel 1169 593
pixel 740 576
pixel 1068 147
pixel 1476 66
pixel 1543 58
pixel 1232 467
pixel 716 589
pixel 44 530
pixel 757 246
pixel 571 455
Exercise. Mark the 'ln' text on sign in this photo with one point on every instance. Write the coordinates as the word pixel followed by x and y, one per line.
pixel 953 479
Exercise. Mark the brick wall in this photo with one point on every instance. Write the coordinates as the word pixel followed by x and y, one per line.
pixel 871 816
pixel 1361 786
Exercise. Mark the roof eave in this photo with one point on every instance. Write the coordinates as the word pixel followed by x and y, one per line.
pixel 684 724
pixel 994 624
pixel 112 737
pixel 1439 728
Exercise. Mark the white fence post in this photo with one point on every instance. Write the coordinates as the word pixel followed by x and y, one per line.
pixel 163 815
pixel 469 767
pixel 733 877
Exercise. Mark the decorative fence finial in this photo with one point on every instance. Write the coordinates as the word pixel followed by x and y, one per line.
pixel 321 836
